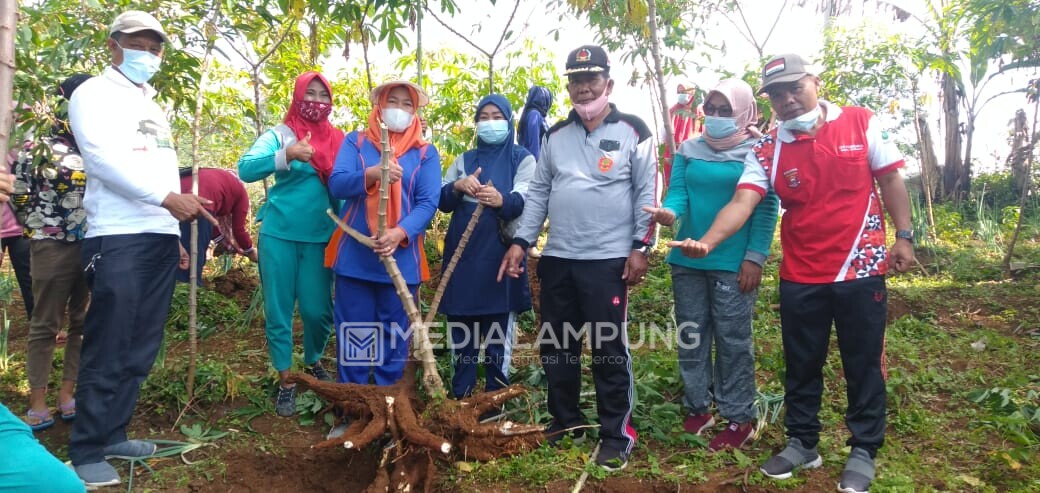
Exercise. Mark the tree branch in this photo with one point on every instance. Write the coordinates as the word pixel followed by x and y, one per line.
pixel 453 31
pixel 505 29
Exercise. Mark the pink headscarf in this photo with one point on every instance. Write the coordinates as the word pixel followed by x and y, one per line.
pixel 742 99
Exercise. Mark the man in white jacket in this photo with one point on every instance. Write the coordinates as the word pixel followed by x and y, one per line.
pixel 131 251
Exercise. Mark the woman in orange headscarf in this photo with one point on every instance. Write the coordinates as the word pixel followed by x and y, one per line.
pixel 372 326
pixel 294 228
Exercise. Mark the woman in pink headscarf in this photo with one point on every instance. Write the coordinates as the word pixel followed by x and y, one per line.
pixel 715 295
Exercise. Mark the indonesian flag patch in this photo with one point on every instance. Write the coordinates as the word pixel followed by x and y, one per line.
pixel 774 67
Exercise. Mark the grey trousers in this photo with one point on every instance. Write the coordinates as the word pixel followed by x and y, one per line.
pixel 58 285
pixel 711 311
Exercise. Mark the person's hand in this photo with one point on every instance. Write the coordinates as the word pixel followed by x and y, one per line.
pixel 511 263
pixel 396 172
pixel 6 186
pixel 691 248
pixel 635 268
pixel 386 245
pixel 186 206
pixel 185 261
pixel 374 173
pixel 902 255
pixel 252 255
pixel 749 276
pixel 469 184
pixel 301 150
pixel 490 196
pixel 660 215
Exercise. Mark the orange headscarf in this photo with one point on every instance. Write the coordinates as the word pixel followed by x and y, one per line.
pixel 400 143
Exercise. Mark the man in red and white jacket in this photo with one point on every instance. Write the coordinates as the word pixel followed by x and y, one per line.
pixel 827 164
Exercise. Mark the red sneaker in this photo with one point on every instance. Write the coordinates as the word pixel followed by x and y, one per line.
pixel 697 423
pixel 734 436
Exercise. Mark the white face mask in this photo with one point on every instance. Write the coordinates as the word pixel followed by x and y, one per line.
pixel 684 98
pixel 803 123
pixel 396 119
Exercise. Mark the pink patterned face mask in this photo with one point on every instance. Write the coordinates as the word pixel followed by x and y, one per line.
pixel 314 111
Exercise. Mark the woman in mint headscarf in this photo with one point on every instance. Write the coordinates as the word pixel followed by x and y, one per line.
pixel 476 305
pixel 715 295
pixel 294 228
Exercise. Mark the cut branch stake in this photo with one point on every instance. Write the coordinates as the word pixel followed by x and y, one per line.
pixel 384 178
pixel 455 256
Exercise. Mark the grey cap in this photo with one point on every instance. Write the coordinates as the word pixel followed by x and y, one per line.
pixel 784 68
pixel 133 21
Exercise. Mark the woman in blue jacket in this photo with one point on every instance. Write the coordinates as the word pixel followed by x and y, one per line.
pixel 715 295
pixel 490 315
pixel 372 325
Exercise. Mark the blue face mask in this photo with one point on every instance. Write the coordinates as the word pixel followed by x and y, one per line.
pixel 493 131
pixel 803 123
pixel 138 66
pixel 719 127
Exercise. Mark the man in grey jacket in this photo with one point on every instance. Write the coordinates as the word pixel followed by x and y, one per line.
pixel 596 173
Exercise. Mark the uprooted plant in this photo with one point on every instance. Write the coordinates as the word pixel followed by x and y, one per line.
pixel 419 431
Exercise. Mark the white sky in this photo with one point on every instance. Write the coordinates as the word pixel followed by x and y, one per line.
pixel 799 31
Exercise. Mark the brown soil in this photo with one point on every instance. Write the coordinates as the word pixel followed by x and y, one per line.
pixel 237 284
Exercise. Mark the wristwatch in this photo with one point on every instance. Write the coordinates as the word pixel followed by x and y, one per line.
pixel 641 247
pixel 906 234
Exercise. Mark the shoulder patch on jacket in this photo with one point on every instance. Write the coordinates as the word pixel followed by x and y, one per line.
pixel 637 123
pixel 560 124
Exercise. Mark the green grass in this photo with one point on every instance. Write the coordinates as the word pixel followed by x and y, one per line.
pixel 959 418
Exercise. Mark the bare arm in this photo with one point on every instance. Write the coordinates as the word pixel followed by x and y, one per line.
pixel 896 199
pixel 897 202
pixel 728 221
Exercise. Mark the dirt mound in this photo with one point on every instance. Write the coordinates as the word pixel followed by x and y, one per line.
pixel 236 284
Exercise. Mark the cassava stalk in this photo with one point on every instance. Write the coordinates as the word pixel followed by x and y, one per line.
pixel 420 335
pixel 455 256
pixel 384 178
pixel 193 269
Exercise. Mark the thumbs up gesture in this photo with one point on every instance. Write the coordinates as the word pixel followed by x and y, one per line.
pixel 469 184
pixel 301 150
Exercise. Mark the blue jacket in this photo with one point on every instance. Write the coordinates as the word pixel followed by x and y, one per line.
pixel 420 187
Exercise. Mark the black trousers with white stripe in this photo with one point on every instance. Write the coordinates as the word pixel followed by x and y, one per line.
pixel 579 299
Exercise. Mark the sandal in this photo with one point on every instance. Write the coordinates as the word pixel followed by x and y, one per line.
pixel 68 410
pixel 43 420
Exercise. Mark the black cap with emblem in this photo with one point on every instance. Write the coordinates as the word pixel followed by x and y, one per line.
pixel 587 59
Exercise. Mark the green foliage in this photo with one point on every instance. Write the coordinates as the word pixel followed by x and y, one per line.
pixel 1016 415
pixel 214 312
pixel 458 81
pixel 864 65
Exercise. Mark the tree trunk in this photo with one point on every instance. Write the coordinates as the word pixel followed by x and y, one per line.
pixel 966 163
pixel 196 137
pixel 953 171
pixel 8 23
pixel 364 53
pixel 1017 160
pixel 655 51
pixel 1027 185
pixel 929 166
pixel 418 45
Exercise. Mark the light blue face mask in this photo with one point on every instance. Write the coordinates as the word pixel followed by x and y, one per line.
pixel 138 66
pixel 720 127
pixel 493 131
pixel 803 123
